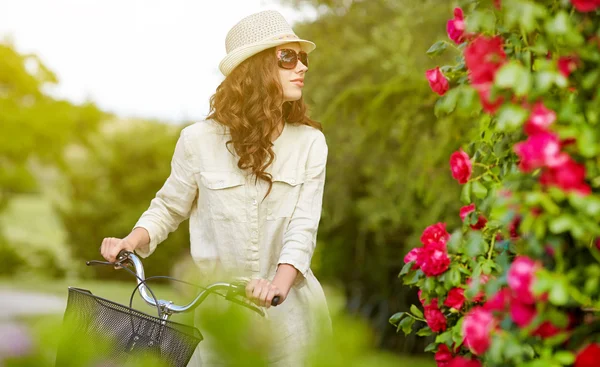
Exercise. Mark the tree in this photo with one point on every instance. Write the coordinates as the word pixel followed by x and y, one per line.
pixel 387 172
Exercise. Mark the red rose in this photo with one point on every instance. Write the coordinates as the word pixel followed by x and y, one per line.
pixel 455 299
pixel 435 233
pixel 437 81
pixel 567 65
pixel 588 356
pixel 466 210
pixel 540 150
pixel 434 317
pixel 412 256
pixel 498 4
pixel 433 259
pixel 499 302
pixel 539 119
pixel 547 330
pixel 522 314
pixel 585 6
pixel 477 327
pixel 456 27
pixel 483 57
pixel 569 176
pixel 461 167
pixel 460 361
pixel 443 356
pixel 484 91
pixel 513 227
pixel 521 277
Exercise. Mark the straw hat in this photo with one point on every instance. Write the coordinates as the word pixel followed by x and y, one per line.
pixel 256 33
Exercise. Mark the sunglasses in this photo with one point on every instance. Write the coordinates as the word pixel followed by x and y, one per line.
pixel 288 58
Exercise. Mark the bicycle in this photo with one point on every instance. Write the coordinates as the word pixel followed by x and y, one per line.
pixel 136 334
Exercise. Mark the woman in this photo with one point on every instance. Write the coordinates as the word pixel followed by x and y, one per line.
pixel 250 178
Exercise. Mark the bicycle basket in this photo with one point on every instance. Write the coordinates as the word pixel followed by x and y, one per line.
pixel 118 335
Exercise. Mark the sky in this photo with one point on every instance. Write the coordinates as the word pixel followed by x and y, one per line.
pixel 136 58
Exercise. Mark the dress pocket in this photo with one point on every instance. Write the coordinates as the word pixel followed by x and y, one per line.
pixel 284 195
pixel 225 195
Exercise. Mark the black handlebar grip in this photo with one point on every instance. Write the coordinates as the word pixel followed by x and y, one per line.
pixel 275 301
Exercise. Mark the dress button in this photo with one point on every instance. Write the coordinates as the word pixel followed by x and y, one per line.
pixel 254 233
pixel 293 181
pixel 254 201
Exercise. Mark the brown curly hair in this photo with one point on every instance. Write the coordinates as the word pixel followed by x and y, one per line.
pixel 250 103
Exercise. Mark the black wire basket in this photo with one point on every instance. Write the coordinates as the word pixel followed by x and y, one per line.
pixel 103 332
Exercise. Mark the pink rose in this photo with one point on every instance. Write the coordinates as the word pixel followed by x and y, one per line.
pixel 456 27
pixel 521 277
pixel 437 81
pixel 522 314
pixel 567 65
pixel 485 96
pixel 585 6
pixel 477 327
pixel 539 119
pixel 433 259
pixel 466 210
pixel 483 57
pixel 540 150
pixel 499 302
pixel 443 356
pixel 569 176
pixel 461 167
pixel 460 361
pixel 434 317
pixel 412 256
pixel 435 233
pixel 588 356
pixel 455 299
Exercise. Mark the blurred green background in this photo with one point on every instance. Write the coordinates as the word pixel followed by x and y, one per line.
pixel 72 174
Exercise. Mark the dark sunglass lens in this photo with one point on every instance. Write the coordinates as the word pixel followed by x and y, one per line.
pixel 287 58
pixel 303 56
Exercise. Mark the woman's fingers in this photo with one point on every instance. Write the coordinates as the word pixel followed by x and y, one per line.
pixel 261 292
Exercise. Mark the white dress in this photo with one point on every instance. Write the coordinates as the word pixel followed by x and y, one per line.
pixel 230 224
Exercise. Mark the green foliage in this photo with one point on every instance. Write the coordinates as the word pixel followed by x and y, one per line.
pixel 552 57
pixel 387 175
pixel 109 184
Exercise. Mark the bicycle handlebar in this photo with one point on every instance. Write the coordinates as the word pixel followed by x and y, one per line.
pixel 167 306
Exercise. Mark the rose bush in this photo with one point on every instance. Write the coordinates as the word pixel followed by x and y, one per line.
pixel 519 283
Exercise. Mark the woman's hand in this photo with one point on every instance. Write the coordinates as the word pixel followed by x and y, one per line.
pixel 111 247
pixel 262 292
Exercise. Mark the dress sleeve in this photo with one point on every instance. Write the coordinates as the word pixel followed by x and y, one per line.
pixel 299 240
pixel 173 202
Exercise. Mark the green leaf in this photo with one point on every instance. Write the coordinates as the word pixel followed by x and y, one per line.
pixel 444 338
pixel 475 244
pixel 455 241
pixel 479 189
pixel 564 357
pixel 406 268
pixel 511 117
pixel 437 48
pixel 515 76
pixel 560 24
pixel 543 81
pixel 395 319
pixel 562 223
pixel 425 331
pixel 415 311
pixel 559 294
pixel 431 347
pixel 587 141
pixel 465 194
pixel 406 325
